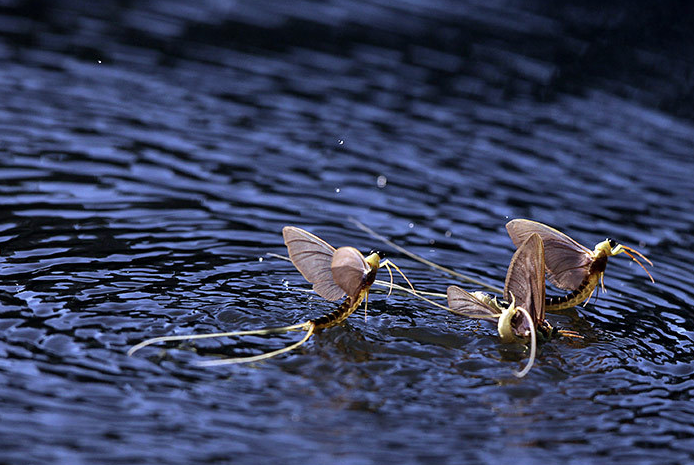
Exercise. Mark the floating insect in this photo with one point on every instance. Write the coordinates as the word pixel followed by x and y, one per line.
pixel 522 316
pixel 571 266
pixel 333 273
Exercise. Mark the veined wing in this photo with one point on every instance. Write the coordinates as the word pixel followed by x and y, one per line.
pixel 567 262
pixel 525 278
pixel 313 257
pixel 466 304
pixel 349 269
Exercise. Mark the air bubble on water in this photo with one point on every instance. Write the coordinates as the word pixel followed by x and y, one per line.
pixel 448 233
pixel 411 225
pixel 381 181
pixel 432 242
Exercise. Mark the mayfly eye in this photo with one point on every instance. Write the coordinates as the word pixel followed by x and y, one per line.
pixel 380 254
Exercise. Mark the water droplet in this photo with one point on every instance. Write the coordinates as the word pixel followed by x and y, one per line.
pixel 381 181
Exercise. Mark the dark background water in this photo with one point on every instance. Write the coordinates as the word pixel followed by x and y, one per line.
pixel 151 152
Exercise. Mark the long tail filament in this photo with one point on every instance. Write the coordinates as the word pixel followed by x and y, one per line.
pixel 414 256
pixel 257 358
pixel 307 326
pixel 533 344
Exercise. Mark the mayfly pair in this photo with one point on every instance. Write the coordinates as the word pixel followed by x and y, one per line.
pixel 541 251
pixel 335 273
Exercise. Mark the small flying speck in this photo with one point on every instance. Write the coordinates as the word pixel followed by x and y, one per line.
pixel 337 189
pixel 340 142
pixel 411 225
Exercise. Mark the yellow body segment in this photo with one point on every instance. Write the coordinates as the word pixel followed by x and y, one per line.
pixel 346 308
pixel 583 293
pixel 504 325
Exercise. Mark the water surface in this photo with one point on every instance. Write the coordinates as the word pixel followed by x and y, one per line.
pixel 150 155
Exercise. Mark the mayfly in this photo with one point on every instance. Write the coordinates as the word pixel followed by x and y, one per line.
pixel 333 273
pixel 571 266
pixel 522 316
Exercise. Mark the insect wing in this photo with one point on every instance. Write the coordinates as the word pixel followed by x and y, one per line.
pixel 349 269
pixel 313 257
pixel 525 278
pixel 567 261
pixel 466 304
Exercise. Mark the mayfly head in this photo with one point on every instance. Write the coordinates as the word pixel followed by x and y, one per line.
pixel 380 253
pixel 610 247
pixel 604 248
pixel 373 259
pixel 505 324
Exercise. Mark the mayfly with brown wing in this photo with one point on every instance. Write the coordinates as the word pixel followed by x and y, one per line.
pixel 333 273
pixel 571 266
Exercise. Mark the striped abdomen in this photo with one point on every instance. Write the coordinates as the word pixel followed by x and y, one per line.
pixel 336 317
pixel 584 290
pixel 347 307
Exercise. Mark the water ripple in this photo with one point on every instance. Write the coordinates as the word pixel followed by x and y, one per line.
pixel 146 176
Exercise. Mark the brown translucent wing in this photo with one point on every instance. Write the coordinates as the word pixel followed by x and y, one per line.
pixel 313 257
pixel 349 269
pixel 567 261
pixel 466 304
pixel 525 278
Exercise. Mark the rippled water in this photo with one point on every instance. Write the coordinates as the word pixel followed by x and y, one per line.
pixel 151 154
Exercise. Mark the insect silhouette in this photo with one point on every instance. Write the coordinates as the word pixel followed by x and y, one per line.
pixel 333 273
pixel 571 266
pixel 521 318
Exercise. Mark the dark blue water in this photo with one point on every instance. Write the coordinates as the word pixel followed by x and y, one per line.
pixel 151 152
